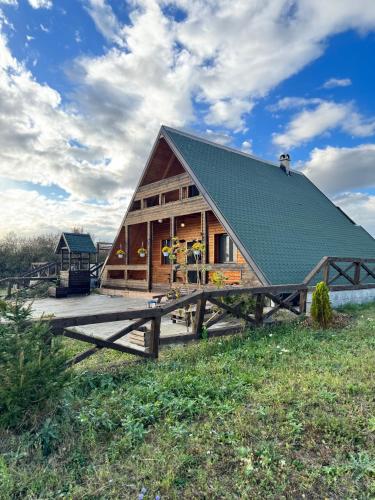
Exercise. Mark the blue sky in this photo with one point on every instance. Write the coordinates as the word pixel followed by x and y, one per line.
pixel 86 84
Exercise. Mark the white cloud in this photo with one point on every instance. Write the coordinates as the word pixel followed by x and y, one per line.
pixel 337 82
pixel 294 102
pixel 105 20
pixel 323 117
pixel 224 55
pixel 28 210
pixel 247 146
pixel 44 28
pixel 337 170
pixel 40 4
pixel 8 2
pixel 360 207
pixel 311 123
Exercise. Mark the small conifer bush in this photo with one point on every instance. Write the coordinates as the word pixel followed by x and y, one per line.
pixel 321 310
pixel 32 363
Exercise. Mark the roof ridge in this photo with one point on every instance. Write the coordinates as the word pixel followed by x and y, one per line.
pixel 226 148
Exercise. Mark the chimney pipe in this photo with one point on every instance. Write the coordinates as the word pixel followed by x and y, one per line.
pixel 285 163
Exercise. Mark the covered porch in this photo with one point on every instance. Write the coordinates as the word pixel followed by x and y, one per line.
pixel 139 262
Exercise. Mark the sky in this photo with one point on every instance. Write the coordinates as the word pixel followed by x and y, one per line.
pixel 86 84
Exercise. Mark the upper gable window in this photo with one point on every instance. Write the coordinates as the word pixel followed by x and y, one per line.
pixel 192 191
pixel 136 205
pixel 152 201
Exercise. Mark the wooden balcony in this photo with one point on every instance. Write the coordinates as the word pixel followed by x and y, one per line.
pixel 182 207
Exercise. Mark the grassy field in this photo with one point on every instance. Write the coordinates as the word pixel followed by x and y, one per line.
pixel 283 412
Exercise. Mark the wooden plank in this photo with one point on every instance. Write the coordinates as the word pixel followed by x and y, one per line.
pixel 180 302
pixel 215 319
pixel 357 272
pixel 343 273
pixel 58 325
pixel 302 301
pixel 259 305
pixel 281 303
pixel 338 288
pixel 199 317
pixel 112 338
pixel 337 276
pixel 155 336
pixel 205 242
pixel 368 271
pixel 350 259
pixel 172 232
pixel 105 343
pixel 315 270
pixel 233 310
pixel 149 256
pixel 234 290
pixel 325 271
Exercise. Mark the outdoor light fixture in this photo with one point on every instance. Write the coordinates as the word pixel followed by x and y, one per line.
pixel 160 221
pixel 182 224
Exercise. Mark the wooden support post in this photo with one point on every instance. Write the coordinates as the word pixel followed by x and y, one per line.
pixel 172 233
pixel 325 271
pixel 357 273
pixel 302 301
pixel 127 249
pixel 149 262
pixel 9 292
pixel 205 243
pixel 155 336
pixel 259 305
pixel 199 317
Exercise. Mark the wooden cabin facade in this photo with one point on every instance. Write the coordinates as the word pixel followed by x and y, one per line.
pixel 167 204
pixel 261 223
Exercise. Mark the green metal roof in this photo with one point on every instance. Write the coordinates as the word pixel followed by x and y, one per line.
pixel 284 222
pixel 76 242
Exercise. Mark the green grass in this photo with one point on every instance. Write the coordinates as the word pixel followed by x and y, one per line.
pixel 283 412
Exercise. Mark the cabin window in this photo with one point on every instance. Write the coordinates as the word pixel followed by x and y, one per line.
pixel 152 201
pixel 225 249
pixel 192 191
pixel 171 196
pixel 165 259
pixel 136 205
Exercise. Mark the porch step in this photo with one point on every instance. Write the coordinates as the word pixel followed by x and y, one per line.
pixel 141 338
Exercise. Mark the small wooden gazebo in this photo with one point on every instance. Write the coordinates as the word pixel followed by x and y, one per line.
pixel 75 250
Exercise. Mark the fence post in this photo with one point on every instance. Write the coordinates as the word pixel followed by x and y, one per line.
pixel 199 316
pixel 259 304
pixel 325 271
pixel 357 272
pixel 155 336
pixel 302 301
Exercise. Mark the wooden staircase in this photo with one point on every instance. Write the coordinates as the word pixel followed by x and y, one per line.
pixel 140 338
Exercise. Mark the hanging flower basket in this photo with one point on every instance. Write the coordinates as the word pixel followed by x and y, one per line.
pixel 142 252
pixel 197 248
pixel 166 251
pixel 120 253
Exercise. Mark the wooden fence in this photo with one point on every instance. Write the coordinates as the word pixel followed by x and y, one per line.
pixel 354 274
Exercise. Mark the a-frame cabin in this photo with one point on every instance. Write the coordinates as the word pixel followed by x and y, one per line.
pixel 260 223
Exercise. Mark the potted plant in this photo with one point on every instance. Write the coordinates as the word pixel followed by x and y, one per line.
pixel 120 253
pixel 197 248
pixel 166 250
pixel 142 252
